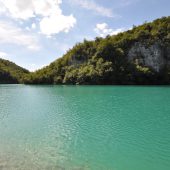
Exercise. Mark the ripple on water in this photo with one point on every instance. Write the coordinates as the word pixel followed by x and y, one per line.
pixel 73 128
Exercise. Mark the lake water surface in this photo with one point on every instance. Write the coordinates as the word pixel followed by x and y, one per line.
pixel 84 127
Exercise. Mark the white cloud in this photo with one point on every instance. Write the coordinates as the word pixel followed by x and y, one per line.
pixel 52 20
pixel 18 9
pixel 93 6
pixel 25 9
pixel 104 30
pixel 33 26
pixel 54 25
pixel 10 34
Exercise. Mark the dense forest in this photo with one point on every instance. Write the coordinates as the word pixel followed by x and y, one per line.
pixel 109 60
pixel 11 73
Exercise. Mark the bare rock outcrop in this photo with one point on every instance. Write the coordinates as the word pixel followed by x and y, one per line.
pixel 154 56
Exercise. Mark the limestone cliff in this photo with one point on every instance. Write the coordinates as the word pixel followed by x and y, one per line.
pixel 155 56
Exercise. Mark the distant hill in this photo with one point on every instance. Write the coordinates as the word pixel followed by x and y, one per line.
pixel 11 73
pixel 138 56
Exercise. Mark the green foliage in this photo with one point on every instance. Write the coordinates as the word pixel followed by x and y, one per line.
pixel 94 71
pixel 11 73
pixel 104 60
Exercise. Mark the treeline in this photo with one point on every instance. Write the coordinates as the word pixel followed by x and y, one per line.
pixel 105 60
pixel 11 73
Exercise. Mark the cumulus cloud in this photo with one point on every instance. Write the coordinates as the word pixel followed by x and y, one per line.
pixel 104 30
pixel 11 34
pixel 52 20
pixel 54 25
pixel 17 9
pixel 93 6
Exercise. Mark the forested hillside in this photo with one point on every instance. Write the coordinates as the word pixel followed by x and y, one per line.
pixel 11 73
pixel 138 56
pixel 113 60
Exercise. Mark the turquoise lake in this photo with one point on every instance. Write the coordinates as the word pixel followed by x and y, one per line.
pixel 84 127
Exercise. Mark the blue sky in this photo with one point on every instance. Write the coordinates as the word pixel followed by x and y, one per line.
pixel 34 33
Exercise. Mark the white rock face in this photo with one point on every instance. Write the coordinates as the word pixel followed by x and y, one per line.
pixel 151 56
